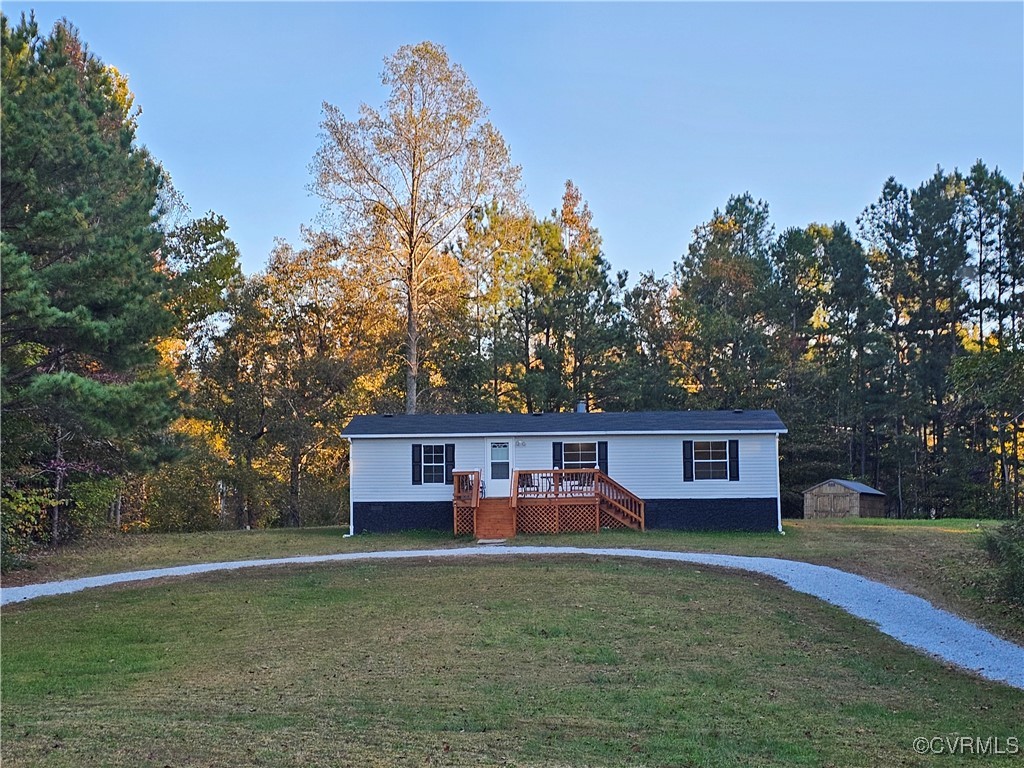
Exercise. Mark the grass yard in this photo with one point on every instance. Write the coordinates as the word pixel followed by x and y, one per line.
pixel 939 560
pixel 110 553
pixel 522 662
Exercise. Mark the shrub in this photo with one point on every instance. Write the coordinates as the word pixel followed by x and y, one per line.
pixel 91 502
pixel 979 501
pixel 24 514
pixel 323 502
pixel 1005 546
pixel 182 496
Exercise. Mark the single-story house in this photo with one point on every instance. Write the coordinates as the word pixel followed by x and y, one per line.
pixel 843 498
pixel 697 470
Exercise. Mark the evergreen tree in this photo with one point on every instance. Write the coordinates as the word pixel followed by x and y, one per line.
pixel 645 379
pixel 82 295
pixel 721 309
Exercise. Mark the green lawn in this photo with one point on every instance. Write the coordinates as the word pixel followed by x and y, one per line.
pixel 939 560
pixel 593 661
pixel 110 553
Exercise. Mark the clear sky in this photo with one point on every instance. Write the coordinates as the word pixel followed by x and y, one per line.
pixel 658 111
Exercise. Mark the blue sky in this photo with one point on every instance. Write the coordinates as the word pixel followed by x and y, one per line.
pixel 658 111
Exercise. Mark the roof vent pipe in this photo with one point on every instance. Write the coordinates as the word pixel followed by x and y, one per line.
pixel 581 406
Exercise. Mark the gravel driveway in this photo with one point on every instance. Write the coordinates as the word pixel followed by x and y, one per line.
pixel 911 620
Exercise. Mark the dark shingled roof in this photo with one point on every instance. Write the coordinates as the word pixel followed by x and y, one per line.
pixel 564 423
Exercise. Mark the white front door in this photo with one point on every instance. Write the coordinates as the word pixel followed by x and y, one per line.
pixel 499 468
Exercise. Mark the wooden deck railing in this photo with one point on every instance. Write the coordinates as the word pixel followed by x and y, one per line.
pixel 553 484
pixel 467 501
pixel 584 484
pixel 467 488
pixel 548 501
pixel 620 499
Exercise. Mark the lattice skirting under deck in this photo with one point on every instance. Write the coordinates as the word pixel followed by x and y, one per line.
pixel 545 516
pixel 541 517
pixel 464 521
pixel 607 521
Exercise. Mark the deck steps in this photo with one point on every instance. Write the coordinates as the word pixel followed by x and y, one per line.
pixel 615 514
pixel 495 519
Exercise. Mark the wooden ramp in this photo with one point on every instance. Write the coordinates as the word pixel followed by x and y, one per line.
pixel 495 519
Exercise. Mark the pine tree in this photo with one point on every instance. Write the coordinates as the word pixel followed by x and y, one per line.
pixel 720 311
pixel 82 295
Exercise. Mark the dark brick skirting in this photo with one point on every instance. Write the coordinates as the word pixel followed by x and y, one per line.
pixel 711 514
pixel 678 514
pixel 389 516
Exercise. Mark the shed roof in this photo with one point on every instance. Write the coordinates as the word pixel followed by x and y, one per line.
pixel 647 422
pixel 853 485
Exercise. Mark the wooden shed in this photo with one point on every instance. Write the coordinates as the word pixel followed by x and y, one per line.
pixel 843 498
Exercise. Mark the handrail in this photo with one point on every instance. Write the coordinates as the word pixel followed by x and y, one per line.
pixel 553 483
pixel 577 483
pixel 467 487
pixel 621 498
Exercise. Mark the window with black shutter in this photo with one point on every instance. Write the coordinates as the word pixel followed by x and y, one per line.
pixel 417 464
pixel 432 463
pixel 734 459
pixel 449 463
pixel 710 460
pixel 579 455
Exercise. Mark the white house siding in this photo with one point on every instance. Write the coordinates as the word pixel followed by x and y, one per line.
pixel 651 466
pixel 382 468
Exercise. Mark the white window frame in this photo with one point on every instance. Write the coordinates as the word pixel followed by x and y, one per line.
pixel 507 461
pixel 579 462
pixel 433 470
pixel 710 459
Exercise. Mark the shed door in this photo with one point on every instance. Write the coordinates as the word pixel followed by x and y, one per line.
pixel 499 467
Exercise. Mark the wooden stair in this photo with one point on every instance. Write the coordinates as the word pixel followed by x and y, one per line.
pixel 495 519
pixel 627 521
pixel 619 503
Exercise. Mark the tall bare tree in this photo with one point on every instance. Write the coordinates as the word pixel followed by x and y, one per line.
pixel 399 182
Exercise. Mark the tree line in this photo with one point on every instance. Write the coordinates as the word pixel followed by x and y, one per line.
pixel 147 382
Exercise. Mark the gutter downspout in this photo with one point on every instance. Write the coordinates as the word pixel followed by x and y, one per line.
pixel 351 504
pixel 778 485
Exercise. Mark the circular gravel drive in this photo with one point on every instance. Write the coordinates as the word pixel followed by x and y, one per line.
pixel 907 618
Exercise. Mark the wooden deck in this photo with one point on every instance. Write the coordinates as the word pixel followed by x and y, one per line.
pixel 545 501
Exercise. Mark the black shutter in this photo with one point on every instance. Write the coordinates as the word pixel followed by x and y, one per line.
pixel 417 464
pixel 556 455
pixel 687 461
pixel 602 456
pixel 449 463
pixel 734 459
